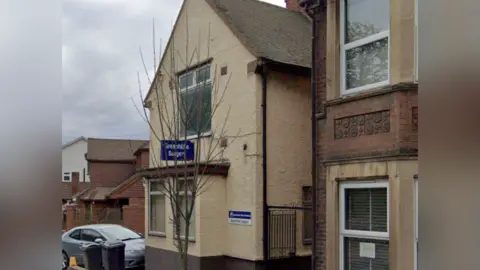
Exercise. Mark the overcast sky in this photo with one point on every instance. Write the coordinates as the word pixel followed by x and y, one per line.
pixel 101 41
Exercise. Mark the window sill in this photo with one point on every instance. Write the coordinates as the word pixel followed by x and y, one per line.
pixel 157 234
pixel 364 88
pixel 190 239
pixel 193 137
pixel 65 181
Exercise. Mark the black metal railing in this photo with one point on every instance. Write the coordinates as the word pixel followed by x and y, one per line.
pixel 282 232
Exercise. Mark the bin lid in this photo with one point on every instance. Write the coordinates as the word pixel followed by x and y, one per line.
pixel 113 244
pixel 89 246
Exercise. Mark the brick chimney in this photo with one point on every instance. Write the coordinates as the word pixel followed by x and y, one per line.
pixel 75 182
pixel 292 4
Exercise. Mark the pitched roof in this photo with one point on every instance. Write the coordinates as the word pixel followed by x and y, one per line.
pixel 269 31
pixel 112 149
pixel 96 194
pixel 127 183
pixel 74 141
pixel 144 147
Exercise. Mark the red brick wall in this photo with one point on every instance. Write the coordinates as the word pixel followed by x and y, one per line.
pixel 320 76
pixel 292 4
pixel 394 130
pixel 110 174
pixel 134 191
pixel 145 159
pixel 134 215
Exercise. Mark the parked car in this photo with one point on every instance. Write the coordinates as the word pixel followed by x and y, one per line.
pixel 73 239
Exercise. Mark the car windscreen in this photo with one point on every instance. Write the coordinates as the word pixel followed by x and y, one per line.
pixel 115 233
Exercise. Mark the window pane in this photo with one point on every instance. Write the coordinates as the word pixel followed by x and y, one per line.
pixel 90 235
pixel 195 110
pixel 379 209
pixel 366 209
pixel 203 74
pixel 181 185
pixel 156 186
pixel 75 234
pixel 364 18
pixel 191 230
pixel 157 213
pixel 186 80
pixel 367 64
pixel 354 261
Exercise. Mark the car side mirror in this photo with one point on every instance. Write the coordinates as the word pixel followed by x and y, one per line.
pixel 141 234
pixel 99 240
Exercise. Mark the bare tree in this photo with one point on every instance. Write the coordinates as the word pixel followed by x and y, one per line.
pixel 182 107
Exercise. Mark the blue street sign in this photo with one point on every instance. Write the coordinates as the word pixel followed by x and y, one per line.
pixel 176 150
pixel 240 218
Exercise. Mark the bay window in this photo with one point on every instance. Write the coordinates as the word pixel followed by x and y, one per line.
pixel 364 44
pixel 364 238
pixel 195 99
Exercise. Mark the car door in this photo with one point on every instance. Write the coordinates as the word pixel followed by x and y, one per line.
pixel 87 236
pixel 72 244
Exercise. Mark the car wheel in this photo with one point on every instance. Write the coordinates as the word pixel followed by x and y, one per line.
pixel 65 261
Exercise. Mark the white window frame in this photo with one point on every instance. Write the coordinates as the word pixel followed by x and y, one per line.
pixel 189 193
pixel 343 233
pixel 193 87
pixel 69 174
pixel 355 44
pixel 415 186
pixel 155 193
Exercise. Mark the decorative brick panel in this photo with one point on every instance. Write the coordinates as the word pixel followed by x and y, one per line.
pixel 375 125
pixel 362 125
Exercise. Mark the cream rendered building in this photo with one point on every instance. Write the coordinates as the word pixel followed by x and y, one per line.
pixel 263 53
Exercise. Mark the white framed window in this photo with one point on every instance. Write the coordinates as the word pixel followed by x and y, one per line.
pixel 195 102
pixel 185 202
pixel 364 44
pixel 157 214
pixel 415 186
pixel 364 223
pixel 67 177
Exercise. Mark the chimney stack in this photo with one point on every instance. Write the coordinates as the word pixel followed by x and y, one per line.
pixel 292 5
pixel 75 182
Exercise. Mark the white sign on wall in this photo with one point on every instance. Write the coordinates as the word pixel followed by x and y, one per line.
pixel 367 250
pixel 240 218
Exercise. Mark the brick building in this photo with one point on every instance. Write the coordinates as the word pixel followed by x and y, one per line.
pixel 367 122
pixel 116 192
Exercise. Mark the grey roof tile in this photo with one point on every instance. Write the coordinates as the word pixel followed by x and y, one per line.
pixel 269 31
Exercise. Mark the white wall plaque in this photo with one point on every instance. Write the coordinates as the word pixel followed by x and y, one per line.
pixel 367 250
